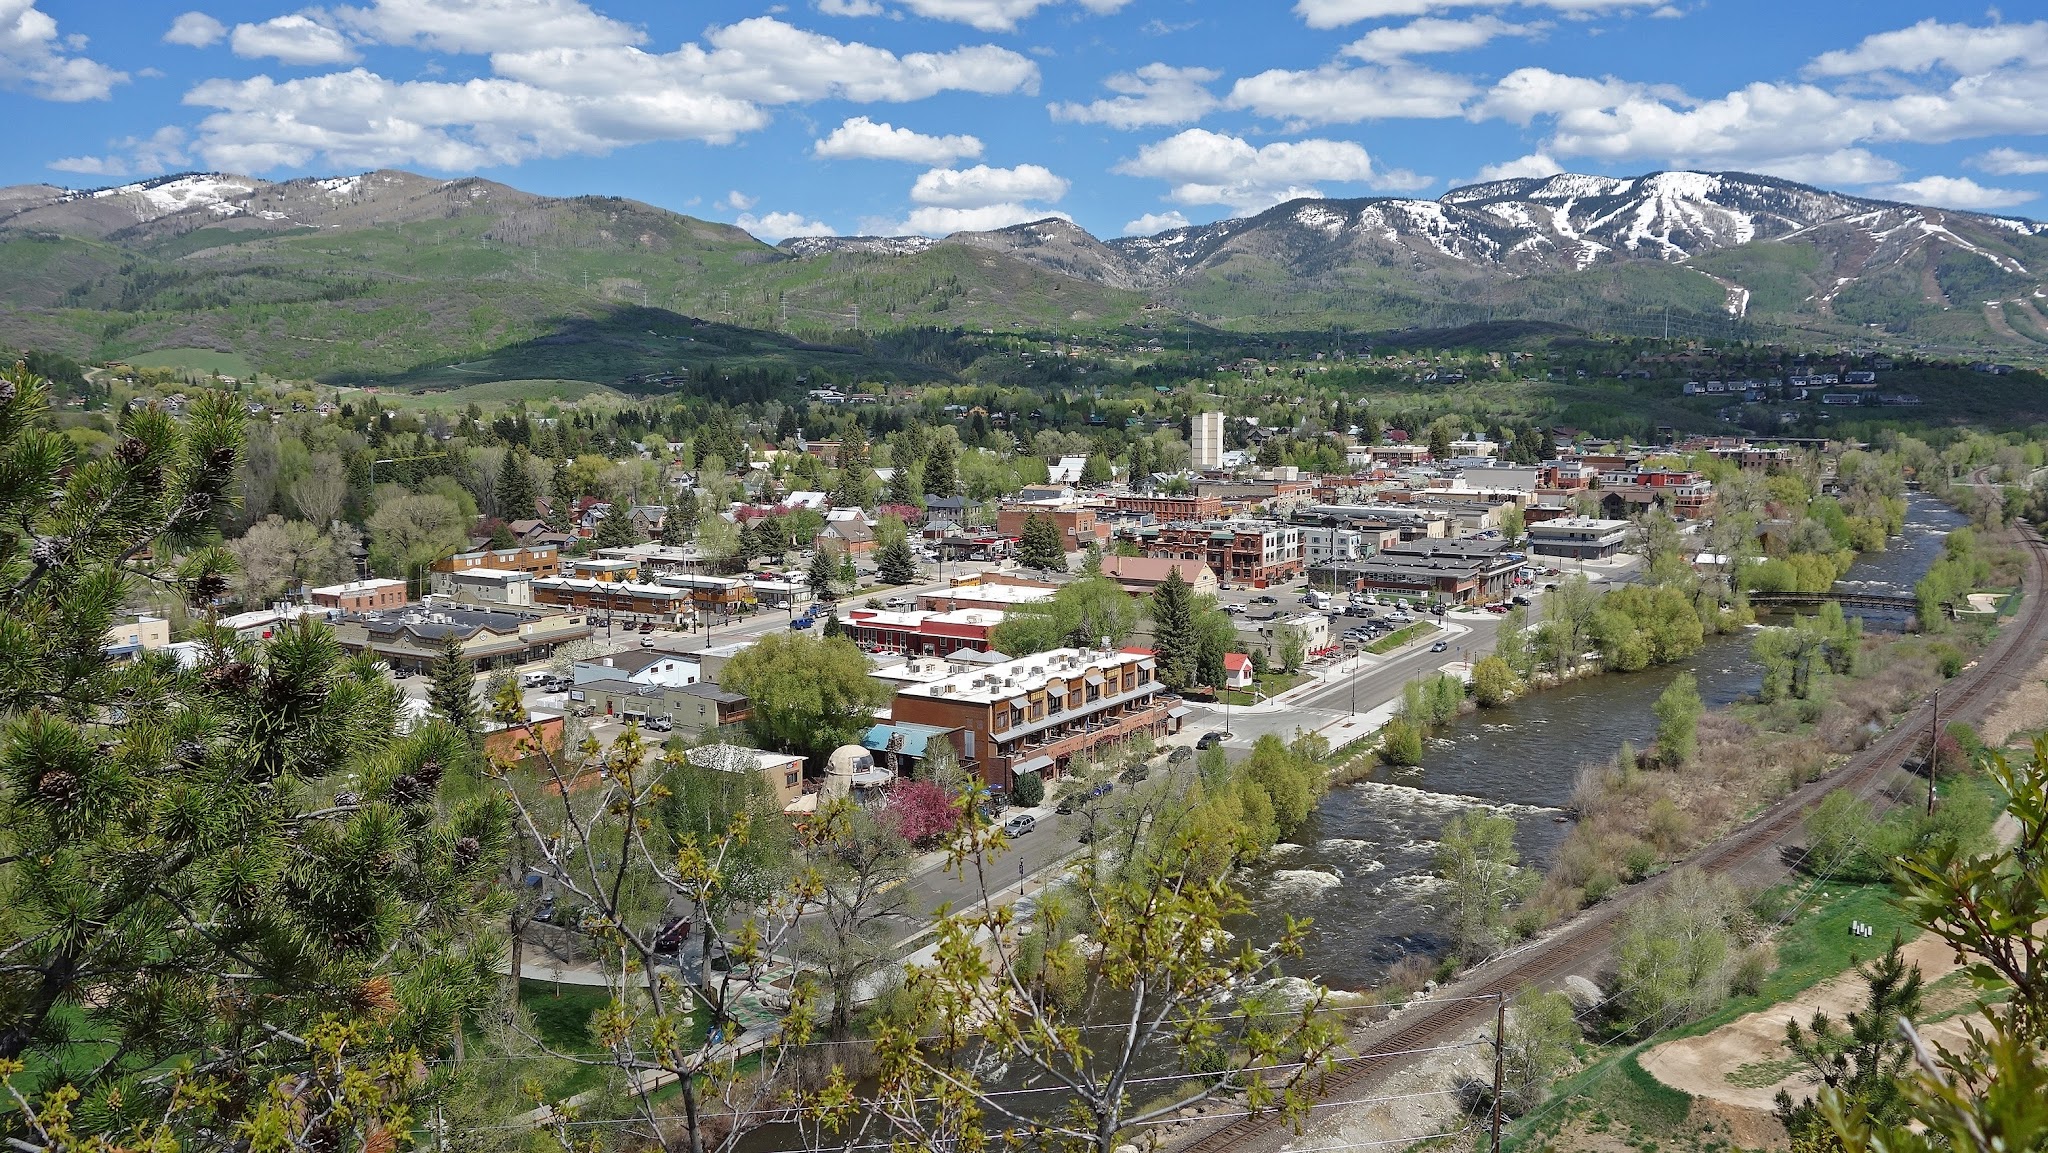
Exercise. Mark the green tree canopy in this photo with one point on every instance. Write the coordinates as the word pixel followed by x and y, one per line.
pixel 806 694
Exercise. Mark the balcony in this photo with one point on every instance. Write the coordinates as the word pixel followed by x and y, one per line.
pixel 1096 729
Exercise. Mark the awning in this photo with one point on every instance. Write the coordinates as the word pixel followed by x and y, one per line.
pixel 1179 711
pixel 1035 764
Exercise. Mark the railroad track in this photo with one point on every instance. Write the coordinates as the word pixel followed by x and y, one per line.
pixel 1585 940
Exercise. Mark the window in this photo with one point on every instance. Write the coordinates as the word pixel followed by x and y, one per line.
pixel 789 779
pixel 1002 720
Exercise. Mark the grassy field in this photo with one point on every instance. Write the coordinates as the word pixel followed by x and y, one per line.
pixel 497 393
pixel 202 361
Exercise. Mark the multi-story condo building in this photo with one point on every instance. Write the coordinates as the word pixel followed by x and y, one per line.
pixel 1036 713
pixel 1208 446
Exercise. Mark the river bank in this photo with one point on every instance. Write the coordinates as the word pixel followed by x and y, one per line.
pixel 1363 868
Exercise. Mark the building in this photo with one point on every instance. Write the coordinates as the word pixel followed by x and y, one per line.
pixel 541 560
pixel 487 587
pixel 845 536
pixel 920 633
pixel 995 591
pixel 783 772
pixel 1035 714
pixel 1578 537
pixel 1464 571
pixel 130 639
pixel 640 666
pixel 1171 508
pixel 1321 544
pixel 608 569
pixel 410 639
pixel 901 747
pixel 1076 522
pixel 1685 495
pixel 1256 553
pixel 1140 575
pixel 361 596
pixel 1270 636
pixel 617 602
pixel 262 624
pixel 1208 446
pixel 700 707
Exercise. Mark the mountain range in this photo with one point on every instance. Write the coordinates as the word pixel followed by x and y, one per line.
pixel 396 276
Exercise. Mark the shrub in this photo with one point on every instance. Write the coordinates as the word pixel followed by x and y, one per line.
pixel 1028 791
pixel 1401 743
pixel 1494 682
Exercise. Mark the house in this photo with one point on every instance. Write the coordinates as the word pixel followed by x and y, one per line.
pixel 527 531
pixel 1033 715
pixel 1141 575
pixel 694 708
pixel 783 772
pixel 647 519
pixel 850 536
pixel 1237 671
pixel 361 596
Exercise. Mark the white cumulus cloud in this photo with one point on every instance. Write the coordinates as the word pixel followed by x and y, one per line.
pixel 1154 95
pixel 1433 35
pixel 36 60
pixel 195 30
pixel 1204 167
pixel 1333 94
pixel 933 220
pixel 1956 192
pixel 982 186
pixel 775 226
pixel 1932 44
pixel 2012 162
pixel 998 15
pixel 568 99
pixel 293 39
pixel 860 138
pixel 1337 13
pixel 850 7
pixel 483 26
pixel 1535 165
pixel 1153 223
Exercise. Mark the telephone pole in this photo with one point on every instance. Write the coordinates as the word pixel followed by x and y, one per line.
pixel 1933 749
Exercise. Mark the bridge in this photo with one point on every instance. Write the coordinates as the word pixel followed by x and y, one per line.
pixel 1845 598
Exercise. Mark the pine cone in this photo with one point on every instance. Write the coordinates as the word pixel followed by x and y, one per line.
pixel 429 772
pixel 235 676
pixel 58 786
pixel 346 798
pixel 131 452
pixel 466 850
pixel 407 789
pixel 49 550
pixel 208 587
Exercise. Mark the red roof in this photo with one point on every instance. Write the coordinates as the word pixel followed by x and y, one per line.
pixel 1236 662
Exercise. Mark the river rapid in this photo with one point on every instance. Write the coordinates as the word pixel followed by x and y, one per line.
pixel 1362 870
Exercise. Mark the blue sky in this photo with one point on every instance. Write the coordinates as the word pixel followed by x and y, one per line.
pixel 936 115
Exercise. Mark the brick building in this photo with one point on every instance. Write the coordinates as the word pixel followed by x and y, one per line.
pixel 361 596
pixel 536 560
pixel 1256 553
pixel 1035 714
pixel 1079 527
pixel 1171 508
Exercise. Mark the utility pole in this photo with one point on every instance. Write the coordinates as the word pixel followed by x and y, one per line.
pixel 1933 749
pixel 1500 1049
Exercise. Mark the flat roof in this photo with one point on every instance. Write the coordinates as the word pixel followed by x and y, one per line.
pixel 1023 674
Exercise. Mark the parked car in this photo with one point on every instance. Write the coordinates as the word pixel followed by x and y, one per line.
pixel 1265 600
pixel 1210 740
pixel 1521 599
pixel 1019 825
pixel 672 935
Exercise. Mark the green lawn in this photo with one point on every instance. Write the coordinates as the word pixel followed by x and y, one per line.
pixel 491 394
pixel 1263 688
pixel 1399 637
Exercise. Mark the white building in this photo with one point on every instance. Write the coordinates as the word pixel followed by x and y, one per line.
pixel 1321 545
pixel 642 667
pixel 1208 447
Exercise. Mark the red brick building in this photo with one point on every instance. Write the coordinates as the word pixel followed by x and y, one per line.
pixel 1077 523
pixel 1172 508
pixel 1256 553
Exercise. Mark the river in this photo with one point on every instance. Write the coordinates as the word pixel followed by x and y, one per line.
pixel 1363 869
